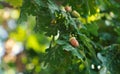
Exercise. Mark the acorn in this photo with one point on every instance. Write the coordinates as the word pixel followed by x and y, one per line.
pixel 75 14
pixel 74 42
pixel 68 8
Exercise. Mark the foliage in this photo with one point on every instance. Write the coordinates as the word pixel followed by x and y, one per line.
pixel 96 27
pixel 110 58
pixel 15 3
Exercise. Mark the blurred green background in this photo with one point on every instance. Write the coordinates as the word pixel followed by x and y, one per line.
pixel 19 41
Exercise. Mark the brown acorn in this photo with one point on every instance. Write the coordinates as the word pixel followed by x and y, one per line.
pixel 68 8
pixel 74 42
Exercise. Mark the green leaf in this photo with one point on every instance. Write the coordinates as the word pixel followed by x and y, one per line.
pixel 74 51
pixel 117 30
pixel 61 42
pixel 15 3
pixel 93 29
pixel 89 48
pixel 86 41
pixel 52 7
pixel 41 23
pixel 26 10
pixel 40 3
pixel 110 58
pixel 104 71
pixel 73 23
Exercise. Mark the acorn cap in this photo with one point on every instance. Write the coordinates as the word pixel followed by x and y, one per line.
pixel 72 38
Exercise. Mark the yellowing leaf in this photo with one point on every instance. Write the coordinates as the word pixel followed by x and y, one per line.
pixel 15 3
pixel 32 42
pixel 20 35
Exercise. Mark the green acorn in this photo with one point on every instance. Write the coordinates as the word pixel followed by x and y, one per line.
pixel 75 14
